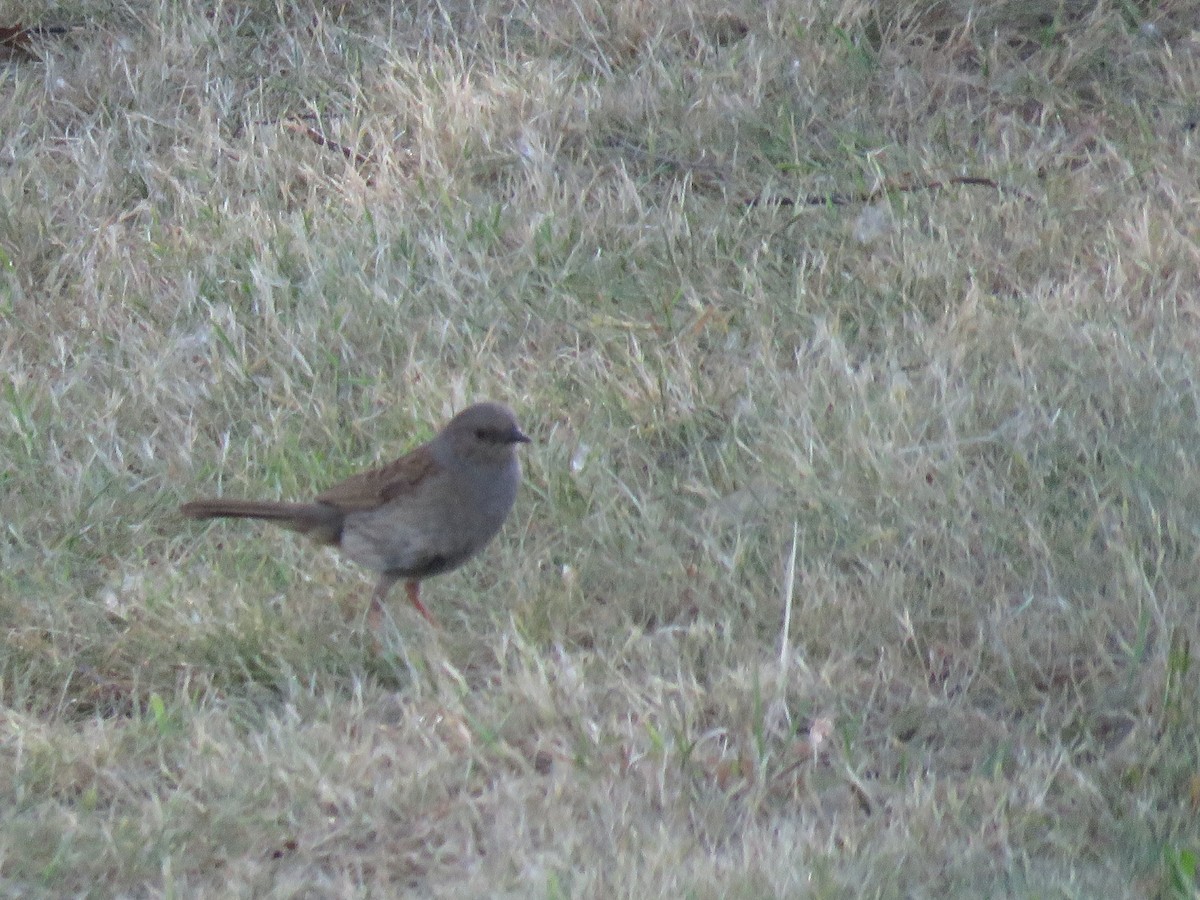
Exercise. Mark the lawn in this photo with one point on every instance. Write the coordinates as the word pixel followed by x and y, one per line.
pixel 857 552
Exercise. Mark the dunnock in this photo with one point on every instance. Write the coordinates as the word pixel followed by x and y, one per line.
pixel 426 513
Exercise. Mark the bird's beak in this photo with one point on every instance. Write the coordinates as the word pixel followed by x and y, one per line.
pixel 519 437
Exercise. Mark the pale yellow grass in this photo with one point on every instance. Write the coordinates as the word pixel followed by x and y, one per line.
pixel 948 436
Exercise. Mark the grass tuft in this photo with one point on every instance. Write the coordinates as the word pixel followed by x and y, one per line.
pixel 856 551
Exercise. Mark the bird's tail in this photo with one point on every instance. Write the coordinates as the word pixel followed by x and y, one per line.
pixel 319 521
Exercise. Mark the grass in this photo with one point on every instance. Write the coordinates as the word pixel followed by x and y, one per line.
pixel 948 436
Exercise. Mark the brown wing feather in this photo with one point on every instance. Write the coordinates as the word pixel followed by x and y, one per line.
pixel 373 488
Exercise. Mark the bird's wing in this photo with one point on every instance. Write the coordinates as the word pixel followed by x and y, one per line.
pixel 373 488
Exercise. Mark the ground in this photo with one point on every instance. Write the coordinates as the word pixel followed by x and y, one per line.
pixel 857 549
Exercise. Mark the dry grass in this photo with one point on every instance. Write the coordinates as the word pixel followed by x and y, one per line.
pixel 949 436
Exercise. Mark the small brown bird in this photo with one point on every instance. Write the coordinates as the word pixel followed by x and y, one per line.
pixel 426 513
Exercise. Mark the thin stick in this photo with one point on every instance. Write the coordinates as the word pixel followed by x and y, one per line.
pixel 320 140
pixel 789 593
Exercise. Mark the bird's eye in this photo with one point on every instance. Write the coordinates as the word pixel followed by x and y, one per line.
pixel 481 433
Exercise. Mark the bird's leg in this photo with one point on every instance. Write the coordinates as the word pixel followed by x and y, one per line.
pixel 375 616
pixel 413 589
